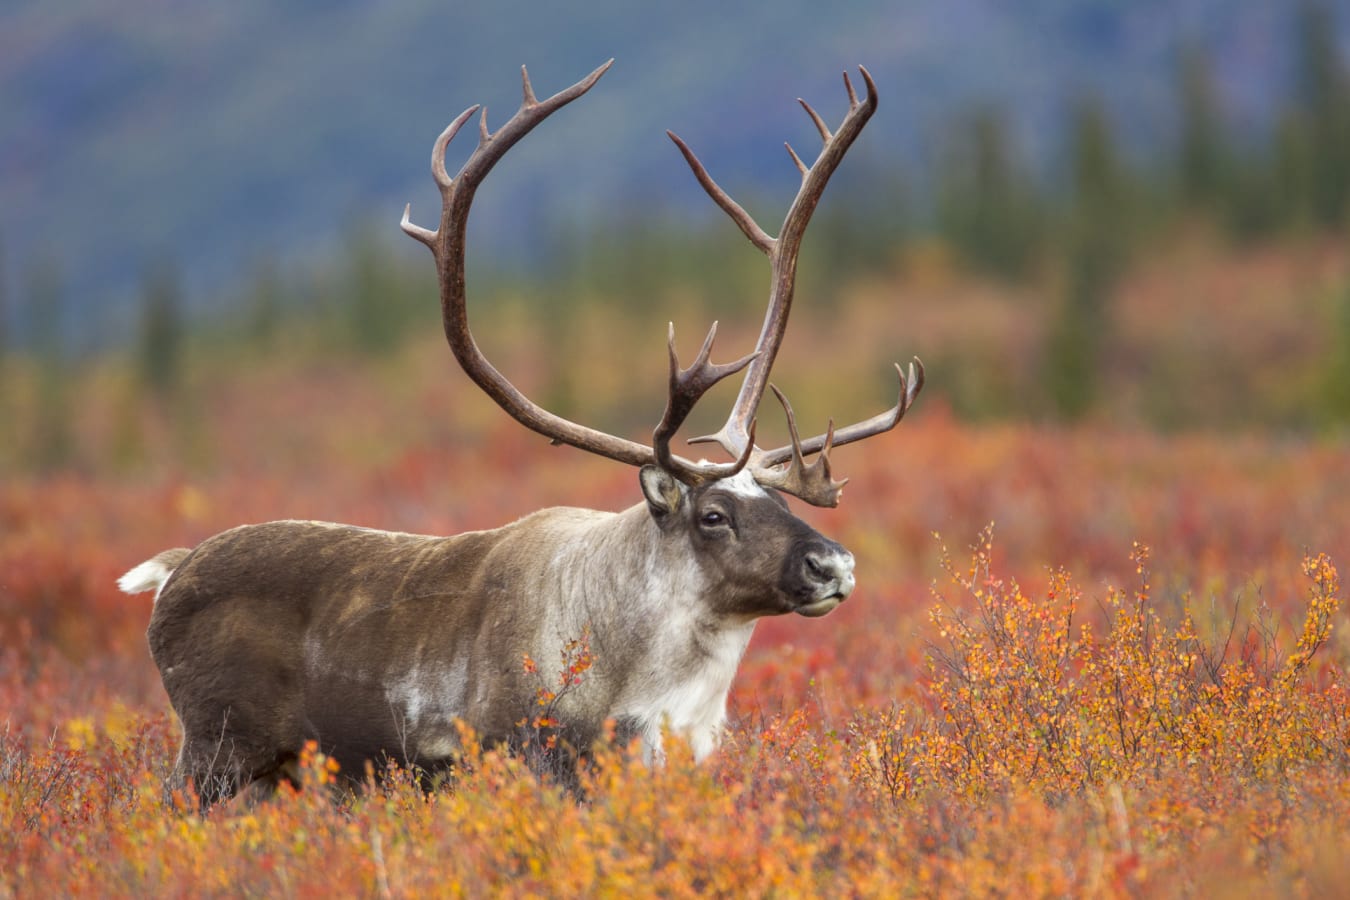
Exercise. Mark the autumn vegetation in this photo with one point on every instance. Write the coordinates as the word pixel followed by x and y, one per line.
pixel 1133 682
pixel 1099 645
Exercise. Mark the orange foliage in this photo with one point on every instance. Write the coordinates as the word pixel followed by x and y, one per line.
pixel 1168 719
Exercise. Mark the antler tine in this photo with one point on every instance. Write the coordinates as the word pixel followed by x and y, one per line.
pixel 848 86
pixel 442 177
pixel 825 133
pixel 878 424
pixel 744 221
pixel 687 386
pixel 812 482
pixel 527 88
pixel 424 235
pixel 438 172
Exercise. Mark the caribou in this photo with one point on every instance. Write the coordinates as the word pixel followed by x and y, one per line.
pixel 380 645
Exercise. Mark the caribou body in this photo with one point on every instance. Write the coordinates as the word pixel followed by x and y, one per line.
pixel 376 644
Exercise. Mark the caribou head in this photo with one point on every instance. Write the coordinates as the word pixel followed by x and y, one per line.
pixel 377 644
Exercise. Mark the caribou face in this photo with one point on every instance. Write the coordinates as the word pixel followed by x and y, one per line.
pixel 765 560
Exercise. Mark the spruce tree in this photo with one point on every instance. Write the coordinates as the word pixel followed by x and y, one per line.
pixel 1201 159
pixel 161 331
pixel 986 206
pixel 1096 245
pixel 1322 119
pixel 53 442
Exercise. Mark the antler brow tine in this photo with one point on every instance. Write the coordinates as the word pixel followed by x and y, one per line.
pixel 811 482
pixel 687 387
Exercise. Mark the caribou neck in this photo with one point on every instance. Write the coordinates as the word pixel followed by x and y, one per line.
pixel 673 657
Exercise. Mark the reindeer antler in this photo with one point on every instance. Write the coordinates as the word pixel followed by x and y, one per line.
pixel 447 245
pixel 811 483
pixel 784 467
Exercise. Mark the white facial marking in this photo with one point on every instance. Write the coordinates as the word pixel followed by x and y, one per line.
pixel 742 484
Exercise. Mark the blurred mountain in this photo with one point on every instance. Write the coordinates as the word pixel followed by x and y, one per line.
pixel 217 136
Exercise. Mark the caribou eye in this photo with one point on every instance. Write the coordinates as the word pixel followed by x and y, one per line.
pixel 712 518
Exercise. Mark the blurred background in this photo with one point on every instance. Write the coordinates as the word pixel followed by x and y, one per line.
pixel 1075 211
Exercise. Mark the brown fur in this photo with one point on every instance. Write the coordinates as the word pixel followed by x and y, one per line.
pixel 372 643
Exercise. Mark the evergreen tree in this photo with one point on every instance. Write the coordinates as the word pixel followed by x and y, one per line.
pixel 4 320
pixel 1077 335
pixel 161 331
pixel 1336 379
pixel 987 208
pixel 859 229
pixel 1201 164
pixel 378 309
pixel 4 305
pixel 1322 120
pixel 53 443
pixel 1096 245
pixel 264 306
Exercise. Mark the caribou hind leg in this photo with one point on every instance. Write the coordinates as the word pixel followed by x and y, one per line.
pixel 218 768
pixel 208 772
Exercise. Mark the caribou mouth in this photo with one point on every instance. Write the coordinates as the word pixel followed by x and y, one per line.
pixel 820 607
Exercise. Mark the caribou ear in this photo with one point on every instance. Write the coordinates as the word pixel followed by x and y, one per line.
pixel 664 494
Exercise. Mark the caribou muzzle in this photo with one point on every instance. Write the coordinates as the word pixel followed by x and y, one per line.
pixel 826 573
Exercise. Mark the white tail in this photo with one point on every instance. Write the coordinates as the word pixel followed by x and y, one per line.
pixel 151 574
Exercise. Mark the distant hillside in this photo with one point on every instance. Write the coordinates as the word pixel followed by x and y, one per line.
pixel 139 132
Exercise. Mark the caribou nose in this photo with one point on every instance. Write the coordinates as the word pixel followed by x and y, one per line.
pixel 830 570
